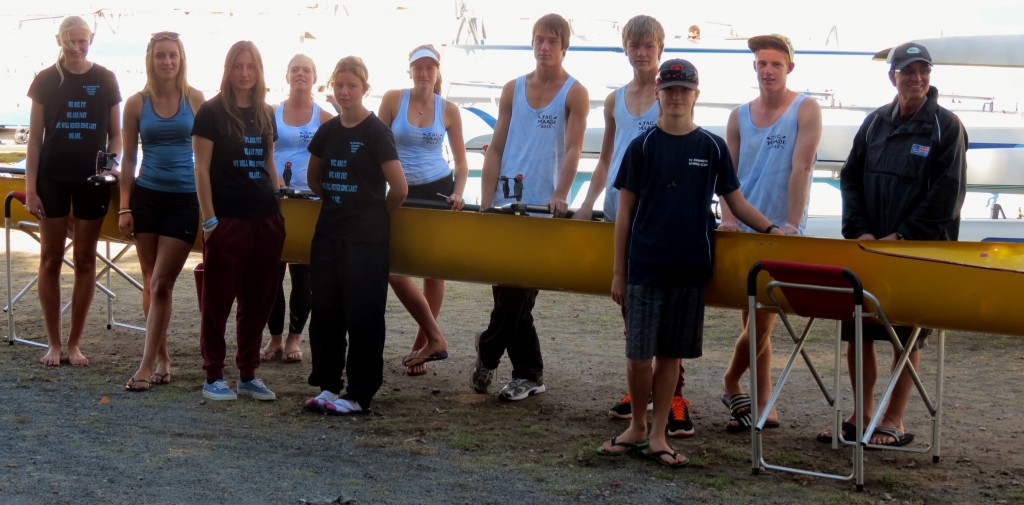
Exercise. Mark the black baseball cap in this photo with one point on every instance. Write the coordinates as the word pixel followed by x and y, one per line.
pixel 677 72
pixel 905 54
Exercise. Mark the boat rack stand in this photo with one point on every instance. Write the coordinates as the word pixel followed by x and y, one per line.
pixel 829 292
pixel 31 228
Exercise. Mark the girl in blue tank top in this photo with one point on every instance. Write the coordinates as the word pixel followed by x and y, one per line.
pixel 159 208
pixel 420 119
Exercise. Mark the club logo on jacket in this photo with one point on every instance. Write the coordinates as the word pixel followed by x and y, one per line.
pixel 919 150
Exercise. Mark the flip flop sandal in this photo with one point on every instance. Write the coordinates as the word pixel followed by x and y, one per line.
pixel 416 370
pixel 900 438
pixel 268 356
pixel 292 357
pixel 437 356
pixel 629 448
pixel 131 386
pixel 739 411
pixel 657 455
pixel 849 434
pixel 160 378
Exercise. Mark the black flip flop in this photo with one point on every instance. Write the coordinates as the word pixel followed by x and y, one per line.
pixel 656 456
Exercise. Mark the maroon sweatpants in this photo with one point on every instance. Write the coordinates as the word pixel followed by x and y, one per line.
pixel 241 260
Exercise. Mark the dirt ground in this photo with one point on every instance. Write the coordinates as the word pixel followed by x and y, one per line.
pixel 74 435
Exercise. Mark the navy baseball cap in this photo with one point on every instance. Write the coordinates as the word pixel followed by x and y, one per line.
pixel 905 54
pixel 677 72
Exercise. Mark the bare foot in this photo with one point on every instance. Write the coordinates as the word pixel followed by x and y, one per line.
pixel 76 358
pixel 52 357
pixel 292 351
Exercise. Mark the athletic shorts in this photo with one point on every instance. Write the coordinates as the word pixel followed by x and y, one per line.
pixel 174 215
pixel 429 190
pixel 664 322
pixel 875 332
pixel 88 200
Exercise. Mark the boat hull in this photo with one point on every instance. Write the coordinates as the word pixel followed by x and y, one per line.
pixel 972 286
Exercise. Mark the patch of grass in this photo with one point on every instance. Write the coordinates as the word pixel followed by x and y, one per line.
pixel 717 482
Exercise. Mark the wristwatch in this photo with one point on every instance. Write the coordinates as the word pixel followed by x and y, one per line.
pixel 899 236
pixel 770 228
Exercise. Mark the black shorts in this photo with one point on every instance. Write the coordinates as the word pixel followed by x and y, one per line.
pixel 664 322
pixel 429 190
pixel 174 215
pixel 88 200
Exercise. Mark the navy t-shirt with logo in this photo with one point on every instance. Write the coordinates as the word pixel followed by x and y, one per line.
pixel 76 118
pixel 674 178
pixel 241 183
pixel 354 187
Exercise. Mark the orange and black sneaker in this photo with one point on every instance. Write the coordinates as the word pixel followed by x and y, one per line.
pixel 623 410
pixel 679 423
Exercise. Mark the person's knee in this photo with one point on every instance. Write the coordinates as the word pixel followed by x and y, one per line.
pixel 639 366
pixel 161 288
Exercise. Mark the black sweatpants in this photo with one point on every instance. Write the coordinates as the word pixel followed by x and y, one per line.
pixel 511 329
pixel 350 286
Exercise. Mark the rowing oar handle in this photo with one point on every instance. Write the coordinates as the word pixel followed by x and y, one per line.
pixel 423 203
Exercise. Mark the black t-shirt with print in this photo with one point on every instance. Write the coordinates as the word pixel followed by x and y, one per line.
pixel 354 187
pixel 76 118
pixel 240 181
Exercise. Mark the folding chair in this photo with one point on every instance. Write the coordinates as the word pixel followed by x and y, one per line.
pixel 829 292
pixel 31 228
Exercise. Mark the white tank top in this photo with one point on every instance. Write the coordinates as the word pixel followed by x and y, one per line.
pixel 766 161
pixel 627 127
pixel 420 149
pixel 291 145
pixel 535 146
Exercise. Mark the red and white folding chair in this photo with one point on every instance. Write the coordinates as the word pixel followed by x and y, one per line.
pixel 830 292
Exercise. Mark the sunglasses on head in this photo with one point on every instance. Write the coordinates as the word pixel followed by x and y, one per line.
pixel 158 36
pixel 684 74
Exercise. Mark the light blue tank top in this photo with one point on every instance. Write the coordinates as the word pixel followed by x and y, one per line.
pixel 419 149
pixel 167 163
pixel 291 146
pixel 766 160
pixel 627 127
pixel 535 146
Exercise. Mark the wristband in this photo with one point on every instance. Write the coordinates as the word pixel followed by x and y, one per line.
pixel 770 228
pixel 210 224
pixel 124 211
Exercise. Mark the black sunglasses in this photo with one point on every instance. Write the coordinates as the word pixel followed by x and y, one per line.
pixel 158 36
pixel 682 74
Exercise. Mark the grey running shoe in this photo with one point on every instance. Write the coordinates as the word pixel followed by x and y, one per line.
pixel 482 376
pixel 520 389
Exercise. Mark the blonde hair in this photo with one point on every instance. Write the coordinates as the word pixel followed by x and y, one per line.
pixel 69 23
pixel 181 82
pixel 312 65
pixel 432 49
pixel 355 66
pixel 264 114
pixel 640 27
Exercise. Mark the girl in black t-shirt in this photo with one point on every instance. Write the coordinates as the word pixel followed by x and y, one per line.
pixel 354 169
pixel 75 113
pixel 243 230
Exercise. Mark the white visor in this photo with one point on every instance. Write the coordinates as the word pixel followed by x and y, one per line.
pixel 423 53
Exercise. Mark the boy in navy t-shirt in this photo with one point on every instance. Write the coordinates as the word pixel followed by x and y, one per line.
pixel 664 252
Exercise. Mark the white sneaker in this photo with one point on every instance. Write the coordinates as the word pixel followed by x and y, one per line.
pixel 317 402
pixel 342 407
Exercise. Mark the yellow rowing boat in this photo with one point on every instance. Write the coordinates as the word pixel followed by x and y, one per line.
pixel 973 286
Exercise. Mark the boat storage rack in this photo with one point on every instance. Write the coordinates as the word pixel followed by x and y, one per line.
pixel 31 228
pixel 829 292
